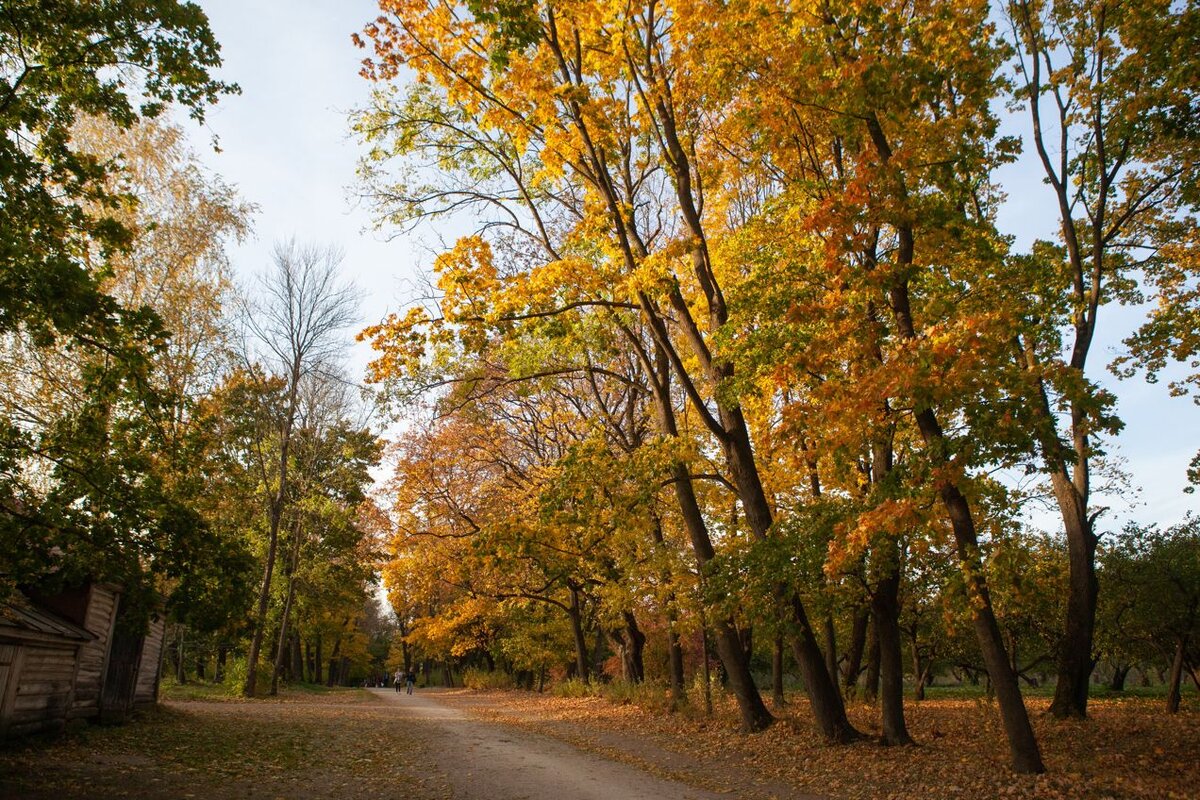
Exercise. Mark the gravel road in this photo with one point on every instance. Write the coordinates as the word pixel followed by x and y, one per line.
pixel 485 761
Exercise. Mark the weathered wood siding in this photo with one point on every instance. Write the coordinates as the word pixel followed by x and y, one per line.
pixel 146 691
pixel 93 657
pixel 41 688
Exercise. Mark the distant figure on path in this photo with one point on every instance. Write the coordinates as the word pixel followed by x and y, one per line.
pixel 409 680
pixel 399 679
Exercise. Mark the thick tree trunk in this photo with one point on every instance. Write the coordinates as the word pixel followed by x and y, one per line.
pixel 823 695
pixel 1075 662
pixel 831 657
pixel 222 656
pixel 777 654
pixel 754 713
pixel 1175 681
pixel 885 613
pixel 1120 673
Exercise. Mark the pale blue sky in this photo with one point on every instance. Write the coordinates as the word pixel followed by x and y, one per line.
pixel 286 144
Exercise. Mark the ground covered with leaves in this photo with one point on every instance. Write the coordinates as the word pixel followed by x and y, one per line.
pixel 1128 749
pixel 340 744
pixel 347 743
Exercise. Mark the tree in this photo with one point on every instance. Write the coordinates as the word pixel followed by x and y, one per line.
pixel 1111 99
pixel 294 323
pixel 64 60
pixel 138 457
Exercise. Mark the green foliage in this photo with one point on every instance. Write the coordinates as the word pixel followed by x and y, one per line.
pixel 484 680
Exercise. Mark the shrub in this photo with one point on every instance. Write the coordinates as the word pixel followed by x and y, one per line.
pixel 482 679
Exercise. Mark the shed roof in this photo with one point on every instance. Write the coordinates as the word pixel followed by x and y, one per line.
pixel 22 614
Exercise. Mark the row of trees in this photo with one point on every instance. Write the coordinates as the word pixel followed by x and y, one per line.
pixel 737 340
pixel 161 428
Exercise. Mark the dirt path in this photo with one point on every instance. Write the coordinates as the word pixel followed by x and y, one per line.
pixel 367 745
pixel 487 761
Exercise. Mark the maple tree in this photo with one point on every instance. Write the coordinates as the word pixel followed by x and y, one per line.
pixel 1108 94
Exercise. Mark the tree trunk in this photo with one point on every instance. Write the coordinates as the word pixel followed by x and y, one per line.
pixel 1075 662
pixel 754 713
pixel 831 658
pixel 1175 682
pixel 264 596
pixel 1022 744
pixel 1120 673
pixel 823 695
pixel 870 688
pixel 858 644
pixel 635 644
pixel 674 648
pixel 281 649
pixel 581 648
pixel 222 656
pixel 885 613
pixel 334 660
pixel 675 655
pixel 918 673
pixel 777 672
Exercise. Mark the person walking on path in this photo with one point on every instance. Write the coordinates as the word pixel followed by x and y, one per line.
pixel 409 681
pixel 399 678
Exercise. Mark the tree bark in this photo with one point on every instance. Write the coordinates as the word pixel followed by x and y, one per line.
pixel 635 644
pixel 1120 673
pixel 1075 662
pixel 1022 745
pixel 870 688
pixel 777 672
pixel 885 613
pixel 581 648
pixel 1175 681
pixel 858 644
pixel 281 650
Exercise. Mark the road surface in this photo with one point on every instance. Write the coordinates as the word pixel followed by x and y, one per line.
pixel 485 761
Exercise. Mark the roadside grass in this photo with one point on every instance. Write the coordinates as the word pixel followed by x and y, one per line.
pixel 319 745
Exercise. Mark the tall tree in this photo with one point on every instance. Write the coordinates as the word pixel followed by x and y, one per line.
pixel 294 325
pixel 1111 95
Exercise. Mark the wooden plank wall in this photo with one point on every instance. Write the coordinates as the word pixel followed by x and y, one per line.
pixel 44 679
pixel 93 658
pixel 146 691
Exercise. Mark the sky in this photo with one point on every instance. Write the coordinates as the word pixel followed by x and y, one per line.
pixel 285 142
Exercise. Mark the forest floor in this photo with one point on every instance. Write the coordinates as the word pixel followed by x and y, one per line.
pixel 497 745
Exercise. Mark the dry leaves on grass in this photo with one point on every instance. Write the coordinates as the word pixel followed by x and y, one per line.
pixel 311 746
pixel 1128 749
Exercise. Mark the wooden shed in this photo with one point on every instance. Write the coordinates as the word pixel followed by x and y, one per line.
pixel 39 660
pixel 68 656
pixel 92 607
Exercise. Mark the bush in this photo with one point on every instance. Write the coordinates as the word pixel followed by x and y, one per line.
pixel 647 695
pixel 235 676
pixel 482 679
